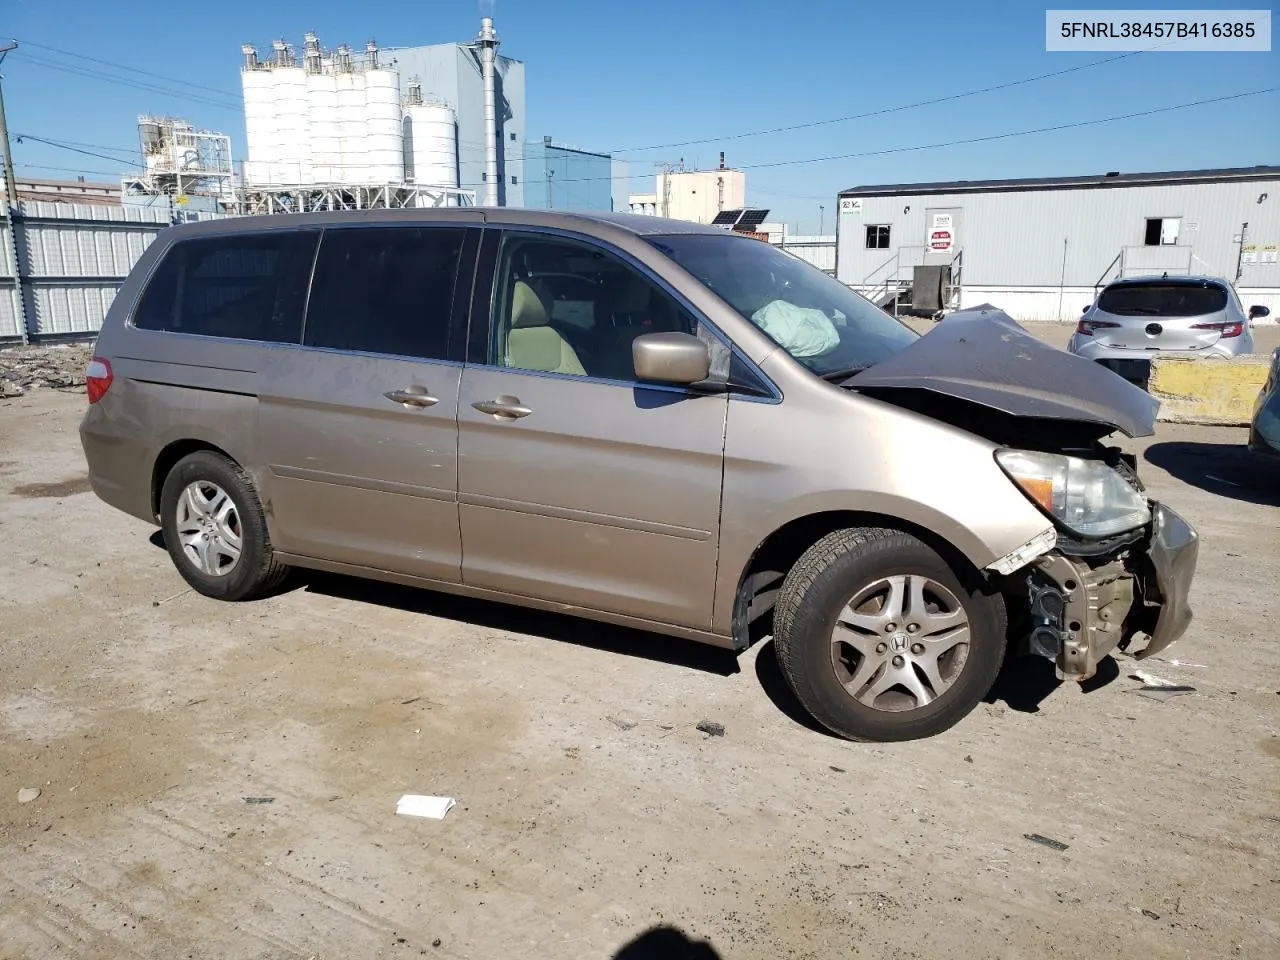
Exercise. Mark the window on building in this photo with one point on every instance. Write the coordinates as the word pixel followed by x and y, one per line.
pixel 513 138
pixel 514 181
pixel 877 236
pixel 385 290
pixel 484 177
pixel 246 287
pixel 1162 231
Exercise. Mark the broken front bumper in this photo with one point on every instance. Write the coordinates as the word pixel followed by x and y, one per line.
pixel 1134 597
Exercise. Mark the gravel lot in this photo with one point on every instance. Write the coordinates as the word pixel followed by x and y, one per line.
pixel 590 809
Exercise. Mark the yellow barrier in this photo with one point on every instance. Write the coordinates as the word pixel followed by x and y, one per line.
pixel 1208 390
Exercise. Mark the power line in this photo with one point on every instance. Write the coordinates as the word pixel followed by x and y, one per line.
pixel 886 110
pixel 968 140
pixel 121 66
pixel 22 137
pixel 93 173
pixel 1016 133
pixel 124 82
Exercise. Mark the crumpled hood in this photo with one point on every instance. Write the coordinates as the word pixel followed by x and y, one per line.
pixel 983 356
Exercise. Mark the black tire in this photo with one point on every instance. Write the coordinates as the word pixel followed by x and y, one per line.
pixel 256 572
pixel 816 590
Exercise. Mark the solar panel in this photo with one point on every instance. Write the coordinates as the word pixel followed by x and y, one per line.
pixel 751 219
pixel 726 218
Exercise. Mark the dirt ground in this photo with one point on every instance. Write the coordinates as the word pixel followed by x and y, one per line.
pixel 590 810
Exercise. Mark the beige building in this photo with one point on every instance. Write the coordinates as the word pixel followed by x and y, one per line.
pixel 695 195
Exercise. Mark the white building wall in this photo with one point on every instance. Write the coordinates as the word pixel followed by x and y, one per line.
pixel 698 195
pixel 1021 249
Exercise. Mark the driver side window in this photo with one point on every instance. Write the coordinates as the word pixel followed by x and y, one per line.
pixel 566 306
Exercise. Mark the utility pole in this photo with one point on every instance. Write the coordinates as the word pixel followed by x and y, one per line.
pixel 822 218
pixel 10 189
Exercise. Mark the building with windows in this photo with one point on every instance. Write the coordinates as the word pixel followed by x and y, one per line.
pixel 1038 248
pixel 559 177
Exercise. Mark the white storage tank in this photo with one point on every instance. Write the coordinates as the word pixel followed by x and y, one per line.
pixel 325 127
pixel 352 128
pixel 385 147
pixel 431 144
pixel 292 127
pixel 259 124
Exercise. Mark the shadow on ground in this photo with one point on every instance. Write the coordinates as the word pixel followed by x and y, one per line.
pixel 775 687
pixel 666 943
pixel 551 626
pixel 1229 470
pixel 1026 682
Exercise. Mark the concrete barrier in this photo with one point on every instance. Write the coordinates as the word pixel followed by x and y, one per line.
pixel 1208 390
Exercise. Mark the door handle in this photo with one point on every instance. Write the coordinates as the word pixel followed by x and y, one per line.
pixel 412 396
pixel 503 408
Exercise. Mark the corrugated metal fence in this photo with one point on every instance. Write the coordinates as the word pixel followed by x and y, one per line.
pixel 61 265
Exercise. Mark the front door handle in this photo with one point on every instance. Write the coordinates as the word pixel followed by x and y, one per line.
pixel 412 396
pixel 503 408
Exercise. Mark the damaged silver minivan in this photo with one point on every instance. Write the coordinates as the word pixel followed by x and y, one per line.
pixel 641 421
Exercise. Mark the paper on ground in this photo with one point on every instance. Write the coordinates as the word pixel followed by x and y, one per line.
pixel 416 805
pixel 1151 680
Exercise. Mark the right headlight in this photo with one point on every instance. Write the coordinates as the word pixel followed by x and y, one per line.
pixel 1088 498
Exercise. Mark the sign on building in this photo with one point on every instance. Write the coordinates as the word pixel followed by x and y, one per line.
pixel 941 232
pixel 850 205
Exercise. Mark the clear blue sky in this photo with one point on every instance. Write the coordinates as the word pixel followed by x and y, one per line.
pixel 610 76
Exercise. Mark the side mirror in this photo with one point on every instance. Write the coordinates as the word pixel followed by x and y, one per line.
pixel 670 358
pixel 1086 308
pixel 1259 311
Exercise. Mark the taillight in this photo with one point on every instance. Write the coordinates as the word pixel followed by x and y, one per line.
pixel 1088 326
pixel 1225 330
pixel 97 378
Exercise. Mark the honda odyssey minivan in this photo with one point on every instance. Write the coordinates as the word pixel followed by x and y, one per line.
pixel 641 421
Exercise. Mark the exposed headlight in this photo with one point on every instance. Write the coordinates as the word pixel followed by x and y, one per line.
pixel 1086 497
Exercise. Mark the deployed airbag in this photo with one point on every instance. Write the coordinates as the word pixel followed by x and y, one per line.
pixel 801 331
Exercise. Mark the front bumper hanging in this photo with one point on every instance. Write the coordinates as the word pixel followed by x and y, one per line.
pixel 1083 607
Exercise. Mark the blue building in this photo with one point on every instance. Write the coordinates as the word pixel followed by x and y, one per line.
pixel 557 177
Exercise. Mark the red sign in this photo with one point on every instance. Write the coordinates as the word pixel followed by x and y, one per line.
pixel 940 240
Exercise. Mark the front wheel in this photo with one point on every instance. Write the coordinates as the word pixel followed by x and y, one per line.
pixel 880 639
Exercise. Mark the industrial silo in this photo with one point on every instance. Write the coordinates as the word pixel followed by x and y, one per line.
pixel 322 114
pixel 385 143
pixel 431 144
pixel 293 140
pixel 259 119
pixel 352 126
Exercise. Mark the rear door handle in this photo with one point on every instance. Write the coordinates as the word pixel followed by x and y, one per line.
pixel 412 396
pixel 503 408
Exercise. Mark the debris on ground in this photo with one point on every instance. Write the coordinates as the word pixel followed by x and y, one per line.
pixel 27 794
pixel 711 728
pixel 622 723
pixel 23 369
pixel 259 799
pixel 1158 688
pixel 1046 841
pixel 1163 694
pixel 417 805
pixel 1150 913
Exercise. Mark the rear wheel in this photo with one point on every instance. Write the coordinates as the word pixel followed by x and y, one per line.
pixel 880 639
pixel 215 529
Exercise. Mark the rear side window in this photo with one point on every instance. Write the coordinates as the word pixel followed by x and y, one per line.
pixel 243 287
pixel 1162 299
pixel 385 290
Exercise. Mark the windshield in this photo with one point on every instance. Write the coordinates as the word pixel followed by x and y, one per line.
pixel 1162 299
pixel 815 318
